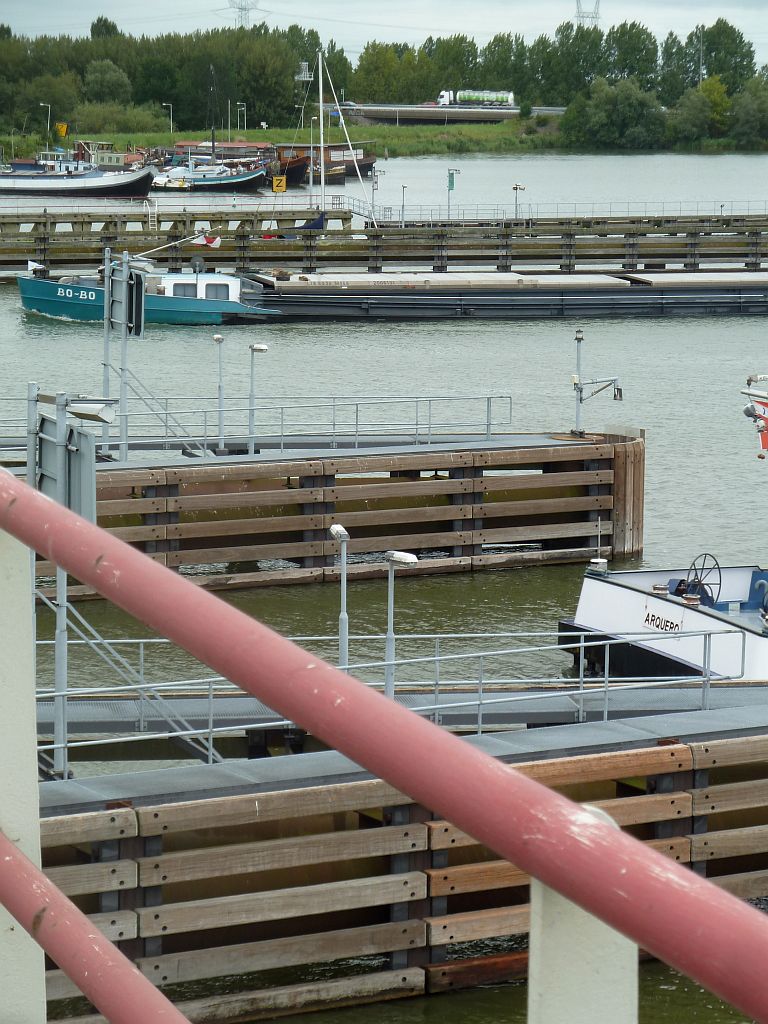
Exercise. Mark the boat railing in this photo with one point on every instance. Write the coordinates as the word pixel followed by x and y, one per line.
pixel 485 680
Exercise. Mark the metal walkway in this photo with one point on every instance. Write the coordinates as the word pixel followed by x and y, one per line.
pixel 457 709
pixel 298 771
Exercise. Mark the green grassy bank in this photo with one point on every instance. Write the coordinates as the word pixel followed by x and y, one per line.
pixel 395 140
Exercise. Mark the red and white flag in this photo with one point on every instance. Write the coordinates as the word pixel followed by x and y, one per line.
pixel 209 241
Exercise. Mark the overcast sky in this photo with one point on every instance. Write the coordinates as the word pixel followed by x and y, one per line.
pixel 352 25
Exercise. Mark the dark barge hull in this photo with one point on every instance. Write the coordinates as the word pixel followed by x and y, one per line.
pixel 134 187
pixel 406 304
pixel 627 660
pixel 235 183
pixel 295 169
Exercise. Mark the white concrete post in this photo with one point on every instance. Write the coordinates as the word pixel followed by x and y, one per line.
pixel 579 970
pixel 22 966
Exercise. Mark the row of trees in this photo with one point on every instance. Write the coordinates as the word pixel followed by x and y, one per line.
pixel 621 88
pixel 117 81
pixel 554 71
pixel 623 116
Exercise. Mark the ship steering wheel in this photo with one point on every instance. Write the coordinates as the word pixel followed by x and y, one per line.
pixel 704 577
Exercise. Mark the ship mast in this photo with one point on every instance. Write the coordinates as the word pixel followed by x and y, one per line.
pixel 322 137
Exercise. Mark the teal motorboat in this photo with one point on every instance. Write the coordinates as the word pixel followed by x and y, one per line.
pixel 186 297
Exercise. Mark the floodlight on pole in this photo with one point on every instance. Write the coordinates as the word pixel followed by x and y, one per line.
pixel 83 407
pixel 95 410
pixel 516 189
pixel 338 533
pixel 580 385
pixel 393 559
pixel 255 350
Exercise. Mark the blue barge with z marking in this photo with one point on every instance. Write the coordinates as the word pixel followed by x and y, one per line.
pixel 171 298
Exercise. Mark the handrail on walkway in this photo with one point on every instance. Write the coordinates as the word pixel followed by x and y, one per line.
pixel 673 913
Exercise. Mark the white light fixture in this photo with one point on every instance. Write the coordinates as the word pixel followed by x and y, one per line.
pixel 400 557
pixel 338 532
pixel 98 410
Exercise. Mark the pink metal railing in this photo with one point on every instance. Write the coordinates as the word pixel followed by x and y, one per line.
pixel 103 974
pixel 676 915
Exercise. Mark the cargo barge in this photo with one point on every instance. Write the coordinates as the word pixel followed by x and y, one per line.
pixel 510 295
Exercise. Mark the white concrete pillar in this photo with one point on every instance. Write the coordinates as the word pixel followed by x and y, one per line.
pixel 22 966
pixel 579 970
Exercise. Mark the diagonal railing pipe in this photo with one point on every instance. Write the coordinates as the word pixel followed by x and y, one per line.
pixel 678 916
pixel 109 980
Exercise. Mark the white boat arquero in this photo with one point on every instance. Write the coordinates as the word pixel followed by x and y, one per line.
pixel 705 619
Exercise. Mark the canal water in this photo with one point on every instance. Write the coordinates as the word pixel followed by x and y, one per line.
pixel 680 378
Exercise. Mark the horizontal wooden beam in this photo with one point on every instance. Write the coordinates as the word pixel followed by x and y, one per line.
pixel 478 924
pixel 104 876
pixel 247 957
pixel 499 874
pixel 94 826
pixel 735 842
pixel 280 904
pixel 272 854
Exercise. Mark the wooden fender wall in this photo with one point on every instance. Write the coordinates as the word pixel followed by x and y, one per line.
pixel 279 881
pixel 248 241
pixel 460 511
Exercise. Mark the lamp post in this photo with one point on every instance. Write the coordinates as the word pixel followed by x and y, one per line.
pixel 579 386
pixel 339 534
pixel 219 342
pixel 393 558
pixel 452 172
pixel 516 189
pixel 170 115
pixel 255 350
pixel 48 125
pixel 311 154
pixel 242 106
pixel 402 207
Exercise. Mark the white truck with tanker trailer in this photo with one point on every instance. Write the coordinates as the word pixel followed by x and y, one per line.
pixel 475 98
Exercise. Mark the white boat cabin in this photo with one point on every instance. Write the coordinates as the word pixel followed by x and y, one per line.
pixel 211 286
